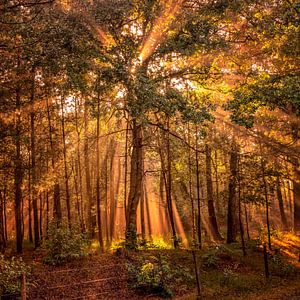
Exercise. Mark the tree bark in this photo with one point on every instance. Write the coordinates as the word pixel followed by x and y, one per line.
pixel 210 200
pixel 296 191
pixel 280 203
pixel 90 224
pixel 232 199
pixel 265 186
pixel 191 189
pixel 136 175
pixel 18 173
pixel 2 233
pixel 57 213
pixel 65 162
pixel 199 233
pixel 99 220
pixel 33 167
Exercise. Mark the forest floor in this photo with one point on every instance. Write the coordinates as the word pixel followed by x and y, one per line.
pixel 150 274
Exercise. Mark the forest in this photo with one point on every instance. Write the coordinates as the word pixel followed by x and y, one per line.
pixel 149 149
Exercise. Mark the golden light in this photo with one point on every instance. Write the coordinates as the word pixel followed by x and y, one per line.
pixel 160 28
pixel 81 12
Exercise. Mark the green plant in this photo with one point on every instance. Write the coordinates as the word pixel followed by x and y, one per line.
pixel 279 266
pixel 11 271
pixel 152 276
pixel 156 243
pixel 64 244
pixel 213 256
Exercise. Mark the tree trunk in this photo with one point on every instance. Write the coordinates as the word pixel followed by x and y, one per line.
pixel 247 223
pixel 147 208
pixel 280 203
pixel 210 201
pixel 169 190
pixel 90 224
pixel 240 208
pixel 112 194
pixel 232 199
pixel 296 191
pixel 78 169
pixel 33 167
pixel 142 204
pixel 57 214
pixel 263 171
pixel 2 233
pixel 125 171
pixel 65 162
pixel 30 237
pixel 136 175
pixel 217 184
pixel 18 174
pixel 199 234
pixel 41 216
pixel 99 221
pixel 191 189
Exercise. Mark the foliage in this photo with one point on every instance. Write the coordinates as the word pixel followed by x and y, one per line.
pixel 279 267
pixel 239 282
pixel 158 243
pixel 10 274
pixel 156 275
pixel 213 256
pixel 64 244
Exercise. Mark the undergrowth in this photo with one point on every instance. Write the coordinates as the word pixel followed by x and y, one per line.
pixel 64 244
pixel 11 271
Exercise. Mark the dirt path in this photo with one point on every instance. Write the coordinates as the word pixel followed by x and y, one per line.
pixel 102 277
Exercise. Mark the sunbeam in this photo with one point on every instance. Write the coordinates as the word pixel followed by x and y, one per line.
pixel 160 28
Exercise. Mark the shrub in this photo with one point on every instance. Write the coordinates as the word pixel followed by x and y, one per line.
pixel 64 244
pixel 10 274
pixel 279 266
pixel 152 276
pixel 157 243
pixel 213 256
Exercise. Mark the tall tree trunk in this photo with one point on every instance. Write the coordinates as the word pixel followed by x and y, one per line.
pixel 232 199
pixel 65 162
pixel 78 200
pixel 210 200
pixel 265 186
pixel 217 184
pixel 33 166
pixel 280 203
pixel 240 207
pixel 167 176
pixel 190 188
pixel 147 208
pixel 106 196
pixel 136 175
pixel 78 169
pixel 30 237
pixel 125 171
pixel 296 191
pixel 18 173
pixel 41 216
pixel 112 194
pixel 199 234
pixel 247 223
pixel 142 204
pixel 99 220
pixel 2 233
pixel 57 213
pixel 90 224
pixel 169 189
pixel 4 211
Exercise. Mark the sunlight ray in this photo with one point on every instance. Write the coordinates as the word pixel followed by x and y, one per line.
pixel 160 28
